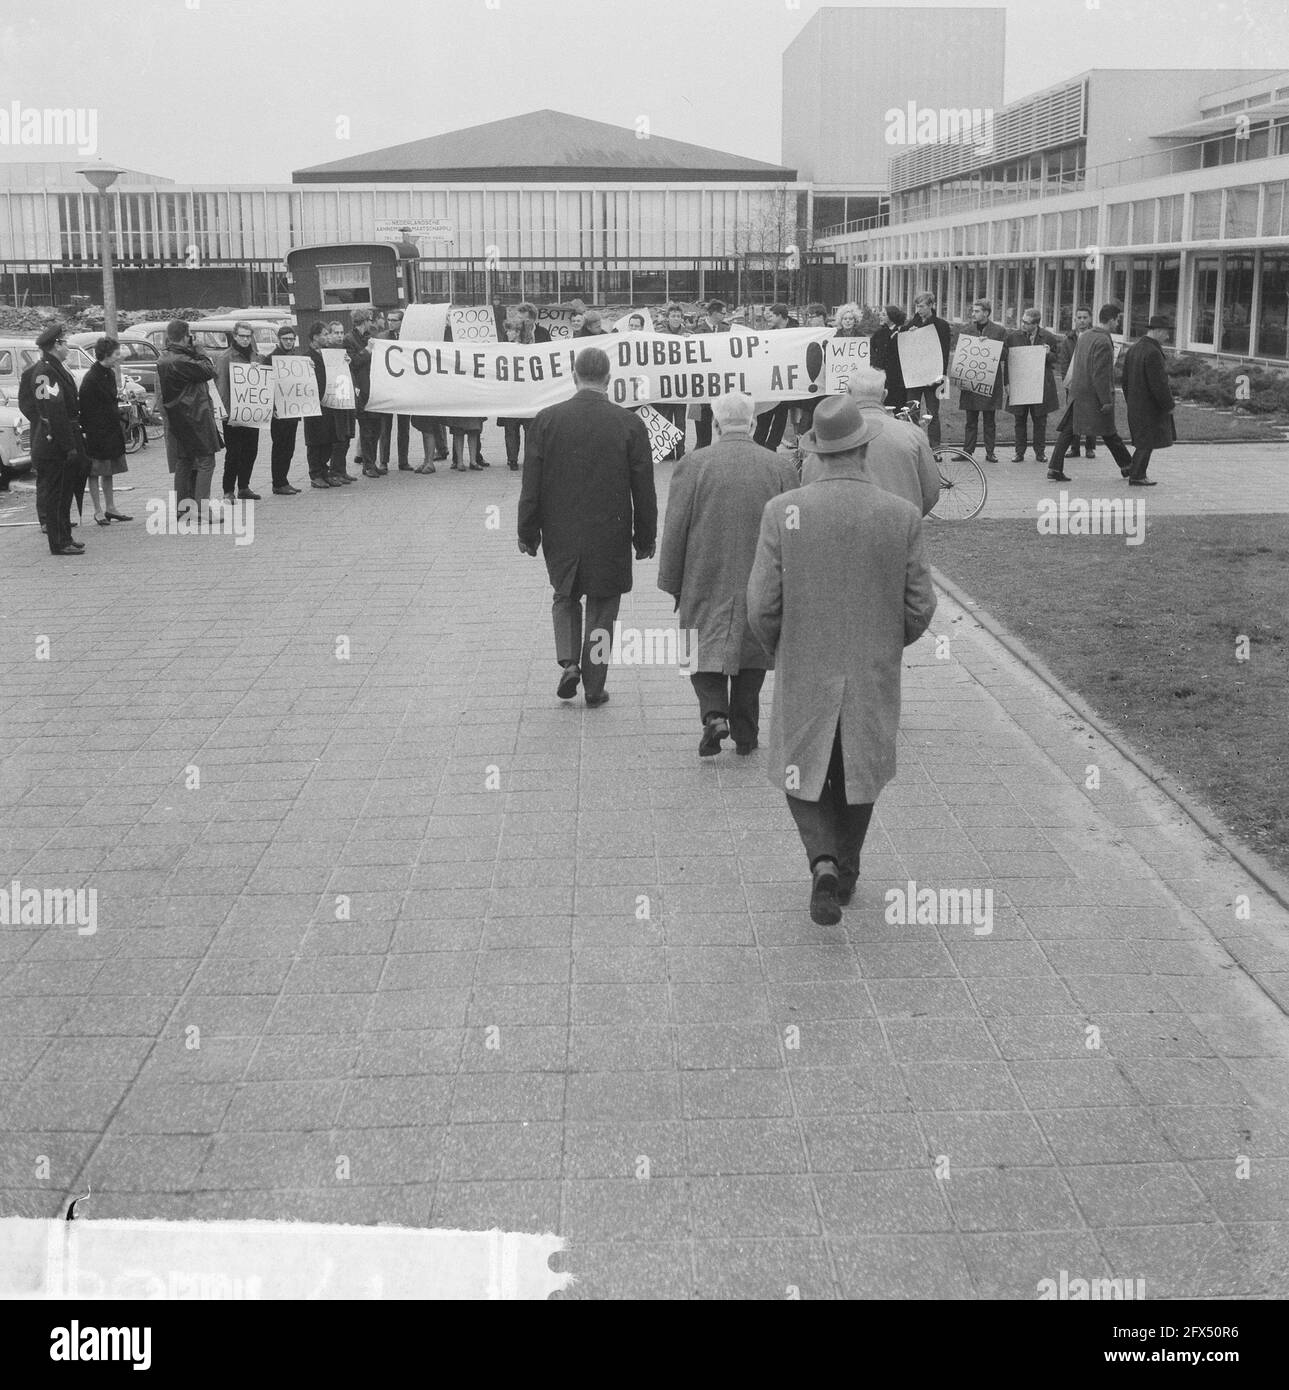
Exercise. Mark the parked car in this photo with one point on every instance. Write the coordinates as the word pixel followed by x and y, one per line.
pixel 139 359
pixel 212 335
pixel 15 440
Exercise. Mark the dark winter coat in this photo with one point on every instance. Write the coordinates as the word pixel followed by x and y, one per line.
pixel 1091 402
pixel 1018 338
pixel 883 356
pixel 331 425
pixel 182 374
pixel 1148 395
pixel 588 493
pixel 100 415
pixel 47 396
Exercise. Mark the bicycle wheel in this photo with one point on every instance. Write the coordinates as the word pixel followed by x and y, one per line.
pixel 963 487
pixel 134 439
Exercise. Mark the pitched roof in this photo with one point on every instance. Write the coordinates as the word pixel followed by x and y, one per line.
pixel 544 147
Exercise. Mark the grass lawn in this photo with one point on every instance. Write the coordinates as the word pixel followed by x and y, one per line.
pixel 1195 424
pixel 1146 634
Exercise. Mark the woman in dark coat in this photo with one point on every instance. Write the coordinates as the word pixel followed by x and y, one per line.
pixel 101 425
pixel 883 355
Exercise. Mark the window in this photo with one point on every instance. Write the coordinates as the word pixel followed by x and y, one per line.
pixel 1207 212
pixel 1241 212
pixel 1167 280
pixel 1207 274
pixel 1170 218
pixel 1273 313
pixel 1138 305
pixel 345 284
pixel 1237 302
pixel 1143 222
pixel 1273 210
pixel 6 363
pixel 1118 224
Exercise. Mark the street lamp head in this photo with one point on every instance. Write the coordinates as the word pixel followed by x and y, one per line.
pixel 101 174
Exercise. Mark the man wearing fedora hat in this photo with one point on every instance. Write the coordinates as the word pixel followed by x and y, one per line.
pixel 1149 398
pixel 899 460
pixel 839 587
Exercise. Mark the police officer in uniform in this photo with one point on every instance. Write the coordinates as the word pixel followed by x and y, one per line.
pixel 47 397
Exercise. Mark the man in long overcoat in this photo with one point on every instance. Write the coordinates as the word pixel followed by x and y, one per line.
pixel 47 396
pixel 839 587
pixel 708 543
pixel 1091 407
pixel 1031 333
pixel 587 497
pixel 1149 398
pixel 977 403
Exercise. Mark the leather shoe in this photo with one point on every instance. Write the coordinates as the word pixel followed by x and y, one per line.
pixel 285 491
pixel 1142 482
pixel 594 701
pixel 371 472
pixel 568 682
pixel 69 550
pixel 1018 458
pixel 404 467
pixel 248 496
pixel 382 468
pixel 991 457
pixel 1123 472
pixel 715 728
pixel 743 749
pixel 320 482
pixel 1058 477
pixel 825 910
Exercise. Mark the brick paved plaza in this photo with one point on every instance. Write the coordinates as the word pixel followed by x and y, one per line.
pixel 577 988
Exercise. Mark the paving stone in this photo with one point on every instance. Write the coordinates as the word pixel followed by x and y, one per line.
pixel 901 1267
pixel 616 1150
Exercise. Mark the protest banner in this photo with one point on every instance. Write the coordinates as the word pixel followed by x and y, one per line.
pixel 217 402
pixel 518 380
pixel 556 319
pixel 975 364
pixel 1025 367
pixel 623 325
pixel 250 394
pixel 424 323
pixel 921 356
pixel 473 324
pixel 844 357
pixel 295 388
pixel 339 394
pixel 663 435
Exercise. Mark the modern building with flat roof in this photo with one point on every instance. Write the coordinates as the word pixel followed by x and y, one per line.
pixel 851 82
pixel 1164 190
pixel 545 205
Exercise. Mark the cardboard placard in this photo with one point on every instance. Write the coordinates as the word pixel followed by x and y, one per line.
pixel 663 435
pixel 975 364
pixel 295 389
pixel 339 394
pixel 1025 369
pixel 250 394
pixel 921 356
pixel 843 357
pixel 473 324
pixel 556 319
pixel 424 323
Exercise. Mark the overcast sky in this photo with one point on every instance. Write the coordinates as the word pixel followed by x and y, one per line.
pixel 244 91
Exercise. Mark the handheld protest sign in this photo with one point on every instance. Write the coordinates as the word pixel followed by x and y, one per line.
pixel 295 389
pixel 339 394
pixel 250 394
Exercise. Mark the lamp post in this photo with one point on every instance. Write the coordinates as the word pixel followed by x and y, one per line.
pixel 103 176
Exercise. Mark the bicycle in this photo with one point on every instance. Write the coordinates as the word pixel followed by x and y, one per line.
pixel 963 485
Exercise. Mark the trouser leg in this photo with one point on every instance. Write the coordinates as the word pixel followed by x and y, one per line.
pixel 339 455
pixel 713 691
pixel 601 613
pixel 703 428
pixel 185 480
pixel 51 486
pixel 403 434
pixel 1040 433
pixel 1118 450
pixel 932 403
pixel 1022 431
pixel 745 705
pixel 1064 438
pixel 991 426
pixel 512 441
pixel 1140 462
pixel 318 456
pixel 972 428
pixel 386 430
pixel 566 617
pixel 282 433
